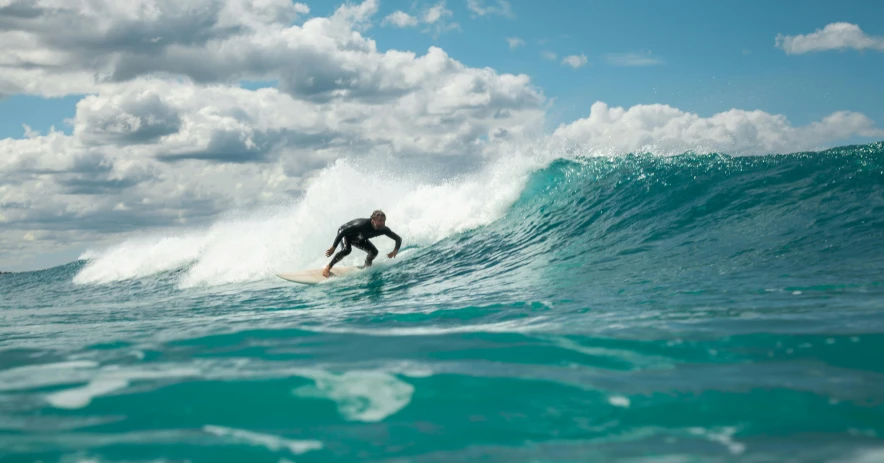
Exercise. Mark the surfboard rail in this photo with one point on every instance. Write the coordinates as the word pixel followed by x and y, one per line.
pixel 314 275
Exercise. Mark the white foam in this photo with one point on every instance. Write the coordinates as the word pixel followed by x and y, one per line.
pixel 138 257
pixel 110 379
pixel 723 437
pixel 636 360
pixel 50 374
pixel 368 396
pixel 619 401
pixel 82 396
pixel 251 246
pixel 864 456
pixel 511 326
pixel 268 441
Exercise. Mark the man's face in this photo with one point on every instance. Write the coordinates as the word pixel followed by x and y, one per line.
pixel 378 222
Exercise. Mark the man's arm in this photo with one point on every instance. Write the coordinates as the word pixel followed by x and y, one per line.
pixel 338 238
pixel 395 237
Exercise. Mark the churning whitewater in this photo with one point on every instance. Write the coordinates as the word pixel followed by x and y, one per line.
pixel 698 307
pixel 249 246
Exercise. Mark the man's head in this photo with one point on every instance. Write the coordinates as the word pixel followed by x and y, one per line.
pixel 378 219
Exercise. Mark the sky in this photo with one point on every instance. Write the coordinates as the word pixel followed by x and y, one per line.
pixel 121 117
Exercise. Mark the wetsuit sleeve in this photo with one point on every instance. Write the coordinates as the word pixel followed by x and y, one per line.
pixel 338 238
pixel 396 237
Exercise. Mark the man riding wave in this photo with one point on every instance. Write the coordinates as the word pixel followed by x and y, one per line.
pixel 357 233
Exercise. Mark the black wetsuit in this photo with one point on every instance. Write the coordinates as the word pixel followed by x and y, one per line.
pixel 356 233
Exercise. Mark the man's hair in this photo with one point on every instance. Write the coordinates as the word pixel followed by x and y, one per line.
pixel 378 213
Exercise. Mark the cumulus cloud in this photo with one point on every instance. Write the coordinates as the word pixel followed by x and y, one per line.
pixel 835 36
pixel 142 118
pixel 166 138
pixel 575 61
pixel 632 59
pixel 436 18
pixel 400 19
pixel 499 8
pixel 209 41
pixel 56 47
pixel 435 13
pixel 515 42
pixel 662 129
pixel 154 143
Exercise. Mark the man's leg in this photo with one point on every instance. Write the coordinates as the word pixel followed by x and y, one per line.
pixel 344 252
pixel 366 246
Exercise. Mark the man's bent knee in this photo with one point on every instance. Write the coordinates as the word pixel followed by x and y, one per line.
pixel 340 255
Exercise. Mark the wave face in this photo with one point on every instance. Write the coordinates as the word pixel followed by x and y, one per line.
pixel 634 308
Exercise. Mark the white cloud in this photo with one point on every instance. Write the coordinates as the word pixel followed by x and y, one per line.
pixel 174 144
pixel 500 8
pixel 546 54
pixel 322 59
pixel 435 13
pixel 835 36
pixel 632 59
pixel 400 19
pixel 662 129
pixel 575 61
pixel 436 17
pixel 56 47
pixel 515 42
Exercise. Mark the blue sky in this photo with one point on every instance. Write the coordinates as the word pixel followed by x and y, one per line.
pixel 713 56
pixel 716 55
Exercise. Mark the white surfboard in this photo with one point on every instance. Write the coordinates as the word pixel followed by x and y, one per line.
pixel 314 276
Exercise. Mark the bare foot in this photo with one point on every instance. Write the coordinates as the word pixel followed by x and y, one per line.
pixel 325 272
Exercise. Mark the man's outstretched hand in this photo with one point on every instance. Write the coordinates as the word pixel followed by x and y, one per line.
pixel 392 254
pixel 329 251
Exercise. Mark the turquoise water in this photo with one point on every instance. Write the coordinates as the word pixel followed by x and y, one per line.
pixel 637 308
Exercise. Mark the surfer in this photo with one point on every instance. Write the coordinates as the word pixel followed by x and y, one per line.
pixel 356 233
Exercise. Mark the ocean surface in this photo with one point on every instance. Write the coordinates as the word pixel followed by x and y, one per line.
pixel 560 308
